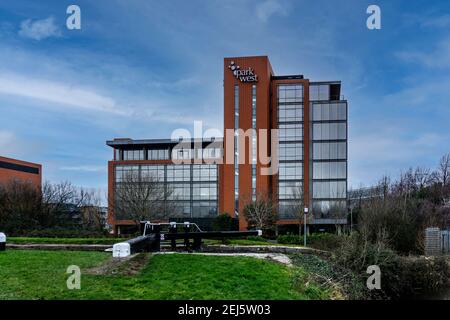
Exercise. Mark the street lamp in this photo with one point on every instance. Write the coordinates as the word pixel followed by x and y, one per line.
pixel 305 212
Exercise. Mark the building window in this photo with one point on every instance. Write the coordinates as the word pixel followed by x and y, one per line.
pixel 209 153
pixel 329 170
pixel 329 189
pixel 194 186
pixel 204 172
pixel 182 154
pixel 236 150
pixel 178 173
pixel 162 154
pixel 329 131
pixel 330 209
pixel 290 132
pixel 254 151
pixel 290 151
pixel 290 112
pixel 290 93
pixel 319 92
pixel 133 155
pixel 329 150
pixel 289 189
pixel 329 111
pixel 290 171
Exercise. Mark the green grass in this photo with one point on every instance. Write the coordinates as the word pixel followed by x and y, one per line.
pixel 29 240
pixel 27 274
pixel 246 242
pixel 111 241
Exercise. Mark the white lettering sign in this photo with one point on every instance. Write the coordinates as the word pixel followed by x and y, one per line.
pixel 243 75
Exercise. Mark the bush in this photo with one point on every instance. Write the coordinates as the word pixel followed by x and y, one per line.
pixel 290 238
pixel 303 281
pixel 320 241
pixel 325 241
pixel 424 275
pixel 342 284
pixel 59 232
pixel 256 238
pixel 401 277
pixel 223 222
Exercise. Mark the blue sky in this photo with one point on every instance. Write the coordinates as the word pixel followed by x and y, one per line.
pixel 141 69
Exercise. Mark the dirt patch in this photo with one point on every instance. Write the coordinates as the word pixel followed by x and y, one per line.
pixel 127 266
pixel 274 257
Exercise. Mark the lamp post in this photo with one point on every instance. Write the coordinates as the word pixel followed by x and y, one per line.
pixel 305 212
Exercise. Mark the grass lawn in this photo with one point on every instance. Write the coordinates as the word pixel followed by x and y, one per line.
pixel 247 242
pixel 111 241
pixel 32 240
pixel 28 274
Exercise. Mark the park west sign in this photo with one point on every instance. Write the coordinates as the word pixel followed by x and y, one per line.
pixel 243 75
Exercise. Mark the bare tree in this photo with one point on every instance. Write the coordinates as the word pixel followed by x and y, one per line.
pixel 298 206
pixel 444 169
pixel 91 213
pixel 442 177
pixel 148 199
pixel 20 204
pixel 261 213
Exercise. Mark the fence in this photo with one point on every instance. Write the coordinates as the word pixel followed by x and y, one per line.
pixel 437 242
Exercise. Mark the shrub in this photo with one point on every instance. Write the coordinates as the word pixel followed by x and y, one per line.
pixel 401 277
pixel 341 283
pixel 223 222
pixel 302 281
pixel 256 238
pixel 290 238
pixel 325 241
pixel 320 241
pixel 59 232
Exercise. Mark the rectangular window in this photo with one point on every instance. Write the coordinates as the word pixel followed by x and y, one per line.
pixel 291 151
pixel 162 154
pixel 319 92
pixel 290 132
pixel 204 172
pixel 329 150
pixel 236 150
pixel 329 111
pixel 204 191
pixel 330 209
pixel 289 189
pixel 329 131
pixel 329 170
pixel 290 171
pixel 329 189
pixel 290 113
pixel 290 93
pixel 178 173
pixel 133 155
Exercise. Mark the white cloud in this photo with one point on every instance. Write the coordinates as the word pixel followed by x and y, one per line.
pixel 388 151
pixel 39 29
pixel 8 142
pixel 57 93
pixel 437 22
pixel 13 146
pixel 438 57
pixel 84 168
pixel 269 8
